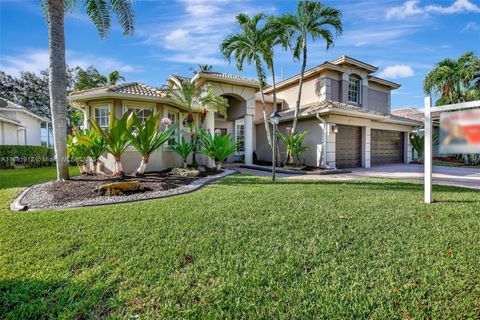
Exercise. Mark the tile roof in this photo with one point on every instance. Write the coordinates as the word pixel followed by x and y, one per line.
pixel 312 108
pixel 4 103
pixel 135 88
pixel 229 76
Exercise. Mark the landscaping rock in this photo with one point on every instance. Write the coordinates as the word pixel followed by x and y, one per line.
pixel 185 172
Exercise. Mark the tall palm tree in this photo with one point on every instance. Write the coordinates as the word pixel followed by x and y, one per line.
pixel 194 98
pixel 114 77
pixel 454 79
pixel 99 13
pixel 251 45
pixel 312 20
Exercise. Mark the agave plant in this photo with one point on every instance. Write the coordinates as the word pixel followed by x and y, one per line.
pixel 116 138
pixel 95 145
pixel 148 137
pixel 77 151
pixel 217 147
pixel 183 148
pixel 293 145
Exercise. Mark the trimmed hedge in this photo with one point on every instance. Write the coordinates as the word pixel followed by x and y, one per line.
pixel 30 156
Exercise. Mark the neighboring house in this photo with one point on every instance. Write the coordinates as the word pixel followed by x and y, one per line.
pixel 344 107
pixel 19 126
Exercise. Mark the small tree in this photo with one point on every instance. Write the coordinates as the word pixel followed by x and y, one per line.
pixel 95 145
pixel 183 148
pixel 148 137
pixel 217 147
pixel 293 145
pixel 77 151
pixel 116 138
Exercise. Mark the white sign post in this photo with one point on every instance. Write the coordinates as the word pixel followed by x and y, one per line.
pixel 427 155
pixel 428 160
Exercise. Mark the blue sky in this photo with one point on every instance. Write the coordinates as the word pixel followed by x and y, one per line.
pixel 403 38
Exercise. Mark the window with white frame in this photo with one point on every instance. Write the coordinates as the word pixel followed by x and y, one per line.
pixel 142 112
pixel 44 134
pixel 240 136
pixel 101 116
pixel 354 86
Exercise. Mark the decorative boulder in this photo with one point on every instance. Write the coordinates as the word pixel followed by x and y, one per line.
pixel 120 188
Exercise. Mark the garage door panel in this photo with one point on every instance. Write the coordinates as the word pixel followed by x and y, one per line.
pixel 348 147
pixel 386 147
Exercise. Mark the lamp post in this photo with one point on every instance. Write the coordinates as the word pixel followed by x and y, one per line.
pixel 274 120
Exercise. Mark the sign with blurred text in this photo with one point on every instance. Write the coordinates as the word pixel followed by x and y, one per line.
pixel 460 132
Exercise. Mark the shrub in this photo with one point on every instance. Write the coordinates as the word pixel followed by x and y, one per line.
pixel 294 145
pixel 29 156
pixel 183 149
pixel 78 151
pixel 217 146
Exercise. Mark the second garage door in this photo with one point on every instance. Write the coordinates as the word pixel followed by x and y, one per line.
pixel 348 147
pixel 386 147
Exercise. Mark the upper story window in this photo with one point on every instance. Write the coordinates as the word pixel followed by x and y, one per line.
pixel 101 116
pixel 354 90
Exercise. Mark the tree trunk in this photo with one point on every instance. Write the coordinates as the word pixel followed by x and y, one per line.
pixel 118 168
pixel 142 167
pixel 300 84
pixel 58 84
pixel 219 166
pixel 264 106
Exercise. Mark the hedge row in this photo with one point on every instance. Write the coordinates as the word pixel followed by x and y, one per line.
pixel 30 156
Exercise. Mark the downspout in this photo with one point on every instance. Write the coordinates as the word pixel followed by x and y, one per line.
pixel 324 150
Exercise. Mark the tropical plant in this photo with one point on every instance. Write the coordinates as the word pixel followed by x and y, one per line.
pixel 78 151
pixel 252 45
pixel 183 148
pixel 454 80
pixel 202 68
pixel 294 147
pixel 114 77
pixel 96 146
pixel 148 136
pixel 418 144
pixel 99 13
pixel 195 98
pixel 217 146
pixel 315 21
pixel 116 138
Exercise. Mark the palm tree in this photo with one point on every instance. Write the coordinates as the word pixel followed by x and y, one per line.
pixel 99 13
pixel 454 80
pixel 194 98
pixel 116 138
pixel 251 45
pixel 202 68
pixel 114 77
pixel 312 20
pixel 148 137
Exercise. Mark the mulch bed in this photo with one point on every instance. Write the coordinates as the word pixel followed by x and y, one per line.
pixel 83 187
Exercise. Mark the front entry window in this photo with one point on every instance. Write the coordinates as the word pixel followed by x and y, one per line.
pixel 240 136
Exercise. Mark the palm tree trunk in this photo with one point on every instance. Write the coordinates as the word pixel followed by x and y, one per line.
pixel 118 168
pixel 142 167
pixel 300 84
pixel 58 84
pixel 264 106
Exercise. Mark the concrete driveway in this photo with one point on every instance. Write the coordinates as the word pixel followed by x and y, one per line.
pixel 461 177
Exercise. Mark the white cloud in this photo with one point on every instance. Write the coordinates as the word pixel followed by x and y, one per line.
pixel 372 35
pixel 35 60
pixel 397 71
pixel 411 8
pixel 471 26
pixel 195 36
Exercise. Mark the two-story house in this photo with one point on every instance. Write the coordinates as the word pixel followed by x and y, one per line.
pixel 344 107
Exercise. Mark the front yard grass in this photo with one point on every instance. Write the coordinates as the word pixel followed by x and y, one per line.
pixel 247 248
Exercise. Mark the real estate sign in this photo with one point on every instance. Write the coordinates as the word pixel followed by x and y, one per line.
pixel 460 132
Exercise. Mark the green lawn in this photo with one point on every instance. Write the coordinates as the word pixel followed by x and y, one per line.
pixel 245 248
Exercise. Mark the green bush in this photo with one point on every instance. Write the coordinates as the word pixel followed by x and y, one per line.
pixel 29 156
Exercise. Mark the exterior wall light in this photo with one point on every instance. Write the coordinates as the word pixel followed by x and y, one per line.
pixel 334 128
